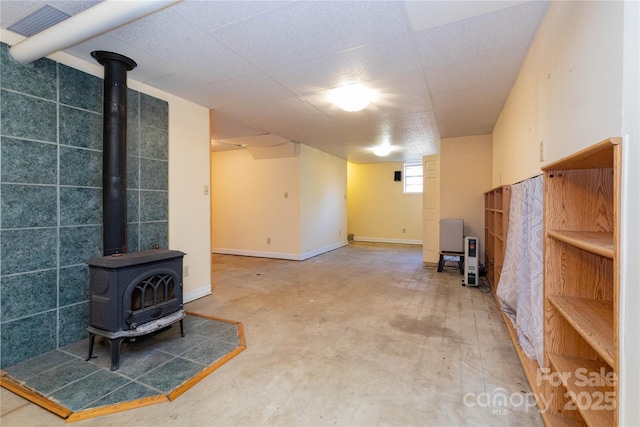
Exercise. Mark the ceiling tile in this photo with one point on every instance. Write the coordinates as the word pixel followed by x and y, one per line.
pixel 497 33
pixel 176 82
pixel 267 66
pixel 170 36
pixel 304 30
pixel 486 114
pixel 210 15
pixel 256 88
pixel 224 126
pixel 429 14
pixel 149 66
pixel 489 70
pixel 477 95
pixel 463 128
pixel 355 65
pixel 151 32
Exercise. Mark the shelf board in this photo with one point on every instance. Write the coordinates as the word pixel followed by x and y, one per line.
pixel 593 320
pixel 597 242
pixel 599 155
pixel 559 420
pixel 591 399
pixel 529 366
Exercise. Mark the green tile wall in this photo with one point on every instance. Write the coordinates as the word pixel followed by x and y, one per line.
pixel 51 198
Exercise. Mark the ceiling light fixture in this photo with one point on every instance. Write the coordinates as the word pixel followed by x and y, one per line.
pixel 382 150
pixel 353 97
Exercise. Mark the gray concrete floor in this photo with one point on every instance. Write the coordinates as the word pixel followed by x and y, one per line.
pixel 359 336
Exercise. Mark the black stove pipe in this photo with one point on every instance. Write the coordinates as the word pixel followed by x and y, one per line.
pixel 114 150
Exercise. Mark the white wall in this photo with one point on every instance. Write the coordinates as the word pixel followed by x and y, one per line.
pixel 630 228
pixel 298 202
pixel 189 205
pixel 249 205
pixel 569 92
pixel 378 209
pixel 465 175
pixel 323 211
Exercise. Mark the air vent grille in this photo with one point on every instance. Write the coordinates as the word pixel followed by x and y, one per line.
pixel 43 18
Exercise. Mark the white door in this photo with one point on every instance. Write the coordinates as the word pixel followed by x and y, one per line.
pixel 431 209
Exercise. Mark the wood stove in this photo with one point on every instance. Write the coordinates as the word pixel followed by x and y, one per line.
pixel 134 294
pixel 131 294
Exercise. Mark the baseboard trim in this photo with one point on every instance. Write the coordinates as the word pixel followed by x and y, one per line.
pixel 316 252
pixel 385 240
pixel 258 254
pixel 197 293
pixel 279 255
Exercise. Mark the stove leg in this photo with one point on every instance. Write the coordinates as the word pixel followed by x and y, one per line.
pixel 181 328
pixel 92 339
pixel 115 353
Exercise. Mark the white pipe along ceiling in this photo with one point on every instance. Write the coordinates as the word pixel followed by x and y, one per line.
pixel 92 22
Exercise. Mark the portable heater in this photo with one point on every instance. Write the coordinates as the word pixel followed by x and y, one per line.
pixel 471 252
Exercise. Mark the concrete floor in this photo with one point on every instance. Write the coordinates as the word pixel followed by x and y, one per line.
pixel 362 335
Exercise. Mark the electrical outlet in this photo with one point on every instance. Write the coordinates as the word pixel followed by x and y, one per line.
pixel 404 230
pixel 206 190
pixel 541 151
pixel 286 195
pixel 268 240
pixel 186 271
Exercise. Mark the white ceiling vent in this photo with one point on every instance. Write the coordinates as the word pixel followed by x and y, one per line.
pixel 43 18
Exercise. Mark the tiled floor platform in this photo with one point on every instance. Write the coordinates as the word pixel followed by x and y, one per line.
pixel 152 369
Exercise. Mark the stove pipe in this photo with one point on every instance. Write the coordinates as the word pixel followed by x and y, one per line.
pixel 114 150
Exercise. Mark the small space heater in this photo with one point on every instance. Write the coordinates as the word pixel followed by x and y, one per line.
pixel 471 252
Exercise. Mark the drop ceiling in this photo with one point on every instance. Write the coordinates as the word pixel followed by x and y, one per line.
pixel 442 69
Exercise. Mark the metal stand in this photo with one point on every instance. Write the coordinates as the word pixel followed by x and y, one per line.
pixel 460 261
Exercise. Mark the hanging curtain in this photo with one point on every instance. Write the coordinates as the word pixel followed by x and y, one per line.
pixel 520 287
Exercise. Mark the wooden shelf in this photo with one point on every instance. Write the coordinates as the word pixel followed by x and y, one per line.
pixel 582 281
pixel 597 242
pixel 589 391
pixel 599 155
pixel 497 203
pixel 593 320
pixel 560 420
pixel 529 366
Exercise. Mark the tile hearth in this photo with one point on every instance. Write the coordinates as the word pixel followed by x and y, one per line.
pixel 152 365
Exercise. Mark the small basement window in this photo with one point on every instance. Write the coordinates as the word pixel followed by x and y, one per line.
pixel 413 177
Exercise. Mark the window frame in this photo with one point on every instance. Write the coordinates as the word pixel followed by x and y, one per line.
pixel 411 165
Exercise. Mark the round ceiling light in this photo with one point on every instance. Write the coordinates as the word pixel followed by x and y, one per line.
pixel 353 97
pixel 382 150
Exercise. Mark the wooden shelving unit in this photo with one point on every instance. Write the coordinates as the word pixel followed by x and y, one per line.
pixel 496 224
pixel 581 285
pixel 497 202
